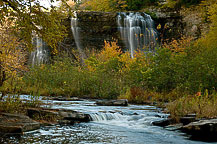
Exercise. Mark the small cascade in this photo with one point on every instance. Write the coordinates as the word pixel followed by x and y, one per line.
pixel 137 31
pixel 106 116
pixel 76 34
pixel 40 54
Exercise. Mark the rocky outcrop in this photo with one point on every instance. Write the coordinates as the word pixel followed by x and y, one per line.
pixel 16 124
pixel 120 102
pixel 54 116
pixel 47 115
pixel 164 122
pixel 96 27
pixel 203 129
pixel 74 116
pixel 170 21
pixel 174 23
pixel 186 120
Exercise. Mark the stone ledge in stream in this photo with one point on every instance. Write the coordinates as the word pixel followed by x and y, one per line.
pixel 120 102
pixel 202 130
pixel 61 98
pixel 54 116
pixel 16 124
pixel 74 116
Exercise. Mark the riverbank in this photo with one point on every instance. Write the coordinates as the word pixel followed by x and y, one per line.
pixel 63 111
pixel 84 112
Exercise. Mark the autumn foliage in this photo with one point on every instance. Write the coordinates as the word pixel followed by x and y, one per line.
pixel 12 54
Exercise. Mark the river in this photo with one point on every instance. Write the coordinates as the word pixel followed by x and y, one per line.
pixel 110 125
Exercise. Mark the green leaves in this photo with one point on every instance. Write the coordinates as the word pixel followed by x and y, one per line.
pixel 30 16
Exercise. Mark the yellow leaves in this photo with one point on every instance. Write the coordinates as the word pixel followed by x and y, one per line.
pixel 159 27
pixel 12 56
pixel 111 58
pixel 111 50
pixel 178 46
pixel 55 51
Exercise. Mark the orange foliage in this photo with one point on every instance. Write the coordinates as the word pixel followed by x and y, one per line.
pixel 111 50
pixel 178 46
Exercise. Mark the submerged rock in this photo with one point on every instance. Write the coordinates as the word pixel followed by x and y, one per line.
pixel 120 102
pixel 16 123
pixel 202 130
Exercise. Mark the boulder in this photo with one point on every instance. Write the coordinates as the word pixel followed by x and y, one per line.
pixel 16 123
pixel 202 130
pixel 186 120
pixel 164 122
pixel 120 102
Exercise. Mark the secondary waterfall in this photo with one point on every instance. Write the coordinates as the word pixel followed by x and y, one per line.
pixel 137 31
pixel 40 54
pixel 76 35
pixel 105 116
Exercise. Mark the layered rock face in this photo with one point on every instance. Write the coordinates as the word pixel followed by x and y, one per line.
pixel 96 27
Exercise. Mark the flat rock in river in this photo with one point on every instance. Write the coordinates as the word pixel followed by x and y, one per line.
pixel 61 98
pixel 16 124
pixel 74 116
pixel 120 102
pixel 203 129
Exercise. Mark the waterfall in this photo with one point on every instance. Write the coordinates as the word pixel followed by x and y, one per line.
pixel 40 54
pixel 76 35
pixel 105 116
pixel 137 31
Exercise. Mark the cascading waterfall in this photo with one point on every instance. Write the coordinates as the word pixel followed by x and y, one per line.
pixel 137 31
pixel 75 32
pixel 105 116
pixel 40 54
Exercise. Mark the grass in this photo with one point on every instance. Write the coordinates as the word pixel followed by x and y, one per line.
pixel 204 106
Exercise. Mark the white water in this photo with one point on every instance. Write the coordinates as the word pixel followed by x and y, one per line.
pixel 106 116
pixel 40 54
pixel 137 31
pixel 76 35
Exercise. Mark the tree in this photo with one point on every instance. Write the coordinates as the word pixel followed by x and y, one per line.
pixel 12 56
pixel 19 19
pixel 29 16
pixel 105 5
